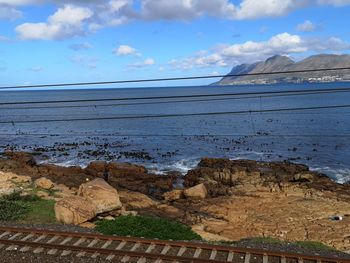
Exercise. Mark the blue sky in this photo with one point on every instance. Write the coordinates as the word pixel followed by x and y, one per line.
pixel 43 41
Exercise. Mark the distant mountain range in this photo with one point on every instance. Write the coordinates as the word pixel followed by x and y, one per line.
pixel 283 63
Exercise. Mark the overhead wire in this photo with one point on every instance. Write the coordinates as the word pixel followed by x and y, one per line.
pixel 172 101
pixel 177 96
pixel 134 117
pixel 167 79
pixel 173 135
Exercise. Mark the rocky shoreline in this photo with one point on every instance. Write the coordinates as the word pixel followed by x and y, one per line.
pixel 220 199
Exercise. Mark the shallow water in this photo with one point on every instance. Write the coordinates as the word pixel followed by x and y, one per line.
pixel 318 138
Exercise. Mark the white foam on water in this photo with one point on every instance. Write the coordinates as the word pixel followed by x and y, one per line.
pixel 182 166
pixel 340 175
pixel 247 155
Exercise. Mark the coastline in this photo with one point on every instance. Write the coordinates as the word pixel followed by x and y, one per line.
pixel 229 200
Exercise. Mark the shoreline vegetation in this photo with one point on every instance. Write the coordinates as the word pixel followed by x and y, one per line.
pixel 270 203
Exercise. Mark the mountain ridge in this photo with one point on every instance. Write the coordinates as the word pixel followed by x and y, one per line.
pixel 283 63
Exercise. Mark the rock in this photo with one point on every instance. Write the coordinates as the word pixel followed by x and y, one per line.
pixel 199 229
pixel 11 183
pixel 108 218
pixel 120 175
pixel 304 177
pixel 88 225
pixel 136 201
pixel 129 213
pixel 7 188
pixel 197 192
pixel 136 178
pixel 21 157
pixel 101 194
pixel 14 178
pixel 173 195
pixel 75 210
pixel 44 183
pixel 43 195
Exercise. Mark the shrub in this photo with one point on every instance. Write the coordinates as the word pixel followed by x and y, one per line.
pixel 13 210
pixel 147 227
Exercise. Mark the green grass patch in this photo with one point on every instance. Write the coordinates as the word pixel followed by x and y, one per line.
pixel 314 245
pixel 147 227
pixel 26 209
pixel 41 211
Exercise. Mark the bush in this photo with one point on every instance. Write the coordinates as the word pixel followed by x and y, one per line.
pixel 13 210
pixel 147 227
pixel 16 196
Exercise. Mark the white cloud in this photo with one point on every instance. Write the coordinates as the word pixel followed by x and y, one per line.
pixel 307 26
pixel 17 2
pixel 68 21
pixel 81 46
pixel 9 13
pixel 125 50
pixel 78 17
pixel 251 51
pixel 146 63
pixel 4 39
pixel 334 2
pixel 252 9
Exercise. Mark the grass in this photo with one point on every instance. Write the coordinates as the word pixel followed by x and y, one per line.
pixel 26 209
pixel 266 240
pixel 147 227
pixel 314 245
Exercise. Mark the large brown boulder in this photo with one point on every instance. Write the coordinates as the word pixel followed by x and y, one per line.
pixel 44 183
pixel 173 195
pixel 75 210
pixel 136 178
pixel 101 194
pixel 197 192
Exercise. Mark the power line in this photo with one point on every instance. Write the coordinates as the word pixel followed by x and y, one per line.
pixel 177 115
pixel 177 96
pixel 175 135
pixel 168 79
pixel 169 102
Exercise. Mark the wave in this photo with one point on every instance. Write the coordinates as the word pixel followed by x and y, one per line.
pixel 340 175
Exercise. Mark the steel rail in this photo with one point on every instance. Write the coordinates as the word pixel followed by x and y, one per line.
pixel 192 245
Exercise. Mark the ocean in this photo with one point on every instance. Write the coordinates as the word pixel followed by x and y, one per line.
pixel 318 138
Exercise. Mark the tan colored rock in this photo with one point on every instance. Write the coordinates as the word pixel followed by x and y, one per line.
pixel 63 191
pixel 129 213
pixel 196 192
pixel 7 188
pixel 44 183
pixel 136 201
pixel 173 195
pixel 88 225
pixel 14 178
pixel 43 194
pixel 11 182
pixel 101 194
pixel 200 230
pixel 75 210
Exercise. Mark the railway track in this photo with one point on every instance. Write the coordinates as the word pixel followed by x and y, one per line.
pixel 129 249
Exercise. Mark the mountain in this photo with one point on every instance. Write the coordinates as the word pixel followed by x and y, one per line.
pixel 283 63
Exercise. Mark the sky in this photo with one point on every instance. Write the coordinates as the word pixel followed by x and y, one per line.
pixel 53 41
